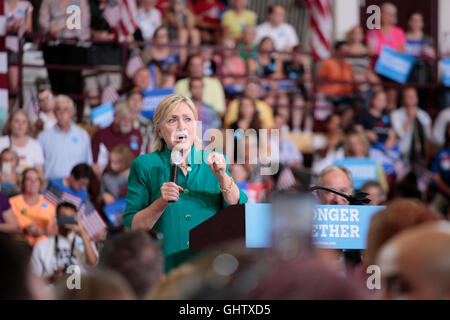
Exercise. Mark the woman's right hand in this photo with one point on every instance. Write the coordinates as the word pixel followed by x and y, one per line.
pixel 170 191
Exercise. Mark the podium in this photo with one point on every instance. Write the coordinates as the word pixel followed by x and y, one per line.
pixel 247 224
pixel 251 226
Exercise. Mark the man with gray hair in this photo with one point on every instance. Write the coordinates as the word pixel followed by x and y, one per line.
pixel 121 131
pixel 338 178
pixel 65 144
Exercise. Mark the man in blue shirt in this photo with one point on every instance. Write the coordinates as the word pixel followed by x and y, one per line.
pixel 65 144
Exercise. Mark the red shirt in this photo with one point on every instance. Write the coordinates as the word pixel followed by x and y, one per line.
pixel 209 11
pixel 110 138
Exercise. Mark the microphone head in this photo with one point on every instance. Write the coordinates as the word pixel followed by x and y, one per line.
pixel 176 157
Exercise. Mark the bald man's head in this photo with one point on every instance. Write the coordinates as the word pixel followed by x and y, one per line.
pixel 415 264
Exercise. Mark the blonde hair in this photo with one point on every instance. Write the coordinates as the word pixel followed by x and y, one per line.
pixel 122 109
pixel 7 130
pixel 362 137
pixel 125 155
pixel 166 108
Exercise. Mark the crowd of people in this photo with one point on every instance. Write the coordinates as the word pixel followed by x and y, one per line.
pixel 53 169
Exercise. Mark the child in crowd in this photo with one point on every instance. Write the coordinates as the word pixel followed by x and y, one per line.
pixel 114 181
pixel 10 179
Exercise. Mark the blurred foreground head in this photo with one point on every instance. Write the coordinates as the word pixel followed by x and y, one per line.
pixel 136 257
pixel 97 285
pixel 399 215
pixel 255 274
pixel 415 264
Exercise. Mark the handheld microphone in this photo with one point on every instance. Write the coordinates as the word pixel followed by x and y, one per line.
pixel 175 158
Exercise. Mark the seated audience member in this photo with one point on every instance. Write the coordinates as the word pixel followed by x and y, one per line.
pixel 336 68
pixel 121 131
pixel 265 63
pixel 144 125
pixel 399 215
pixel 17 131
pixel 302 115
pixel 376 193
pixel 338 178
pixel 282 34
pixel 168 59
pixel 253 90
pixel 35 215
pixel 231 66
pixel 69 246
pixel 439 127
pixel 288 153
pixel 96 285
pixel 18 282
pixel 147 78
pixel 136 257
pixel 357 146
pixel 149 18
pixel 328 146
pixel 46 118
pixel 10 179
pixel 360 62
pixel 213 93
pixel 65 144
pixel 297 68
pixel 208 14
pixel 77 185
pixel 440 168
pixel 114 182
pixel 206 114
pixel 237 18
pixel 373 122
pixel 415 263
pixel 247 46
pixel 8 221
pixel 180 20
pixel 413 127
pixel 248 116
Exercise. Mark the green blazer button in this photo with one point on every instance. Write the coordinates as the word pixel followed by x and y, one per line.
pixel 188 217
pixel 186 190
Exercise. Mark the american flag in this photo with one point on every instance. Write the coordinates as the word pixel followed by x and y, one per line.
pixel 56 196
pixel 33 106
pixel 109 94
pixel 91 220
pixel 286 179
pixel 134 64
pixel 121 16
pixel 3 60
pixel 321 28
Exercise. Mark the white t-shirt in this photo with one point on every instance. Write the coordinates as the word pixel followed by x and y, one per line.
pixel 44 261
pixel 48 122
pixel 148 22
pixel 29 156
pixel 283 35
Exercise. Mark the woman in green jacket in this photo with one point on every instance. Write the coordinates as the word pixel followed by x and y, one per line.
pixel 204 185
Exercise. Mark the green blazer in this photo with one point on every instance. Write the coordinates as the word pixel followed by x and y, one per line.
pixel 200 200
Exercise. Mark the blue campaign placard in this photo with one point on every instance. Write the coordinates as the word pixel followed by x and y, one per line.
pixel 362 169
pixel 342 227
pixel 151 100
pixel 114 211
pixel 333 227
pixel 103 115
pixel 258 221
pixel 394 65
pixel 446 72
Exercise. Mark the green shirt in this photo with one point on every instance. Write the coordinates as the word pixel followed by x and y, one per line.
pixel 200 200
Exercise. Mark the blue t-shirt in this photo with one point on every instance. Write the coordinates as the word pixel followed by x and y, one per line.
pixel 60 185
pixel 441 165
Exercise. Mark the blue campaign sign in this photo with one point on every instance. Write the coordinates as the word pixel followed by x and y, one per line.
pixel 394 65
pixel 446 72
pixel 114 212
pixel 151 100
pixel 103 115
pixel 362 169
pixel 333 227
pixel 342 227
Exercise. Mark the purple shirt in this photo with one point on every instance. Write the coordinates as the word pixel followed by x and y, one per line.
pixel 4 205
